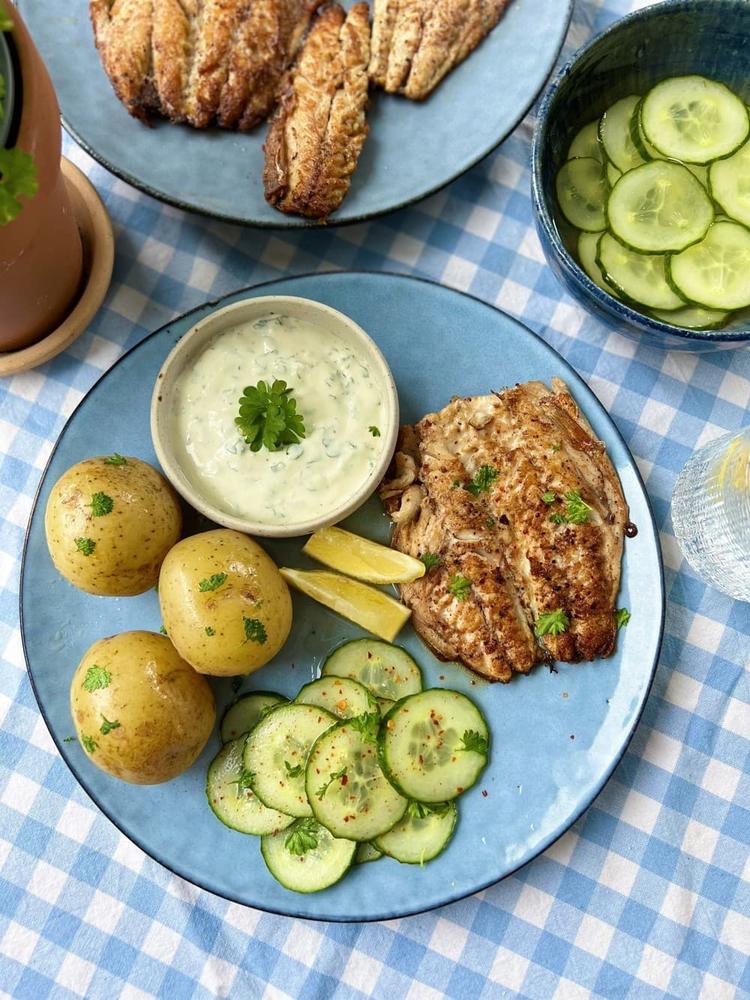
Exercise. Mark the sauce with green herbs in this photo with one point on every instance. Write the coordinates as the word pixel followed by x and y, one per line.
pixel 337 394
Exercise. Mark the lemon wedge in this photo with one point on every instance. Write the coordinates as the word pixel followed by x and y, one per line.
pixel 363 605
pixel 361 558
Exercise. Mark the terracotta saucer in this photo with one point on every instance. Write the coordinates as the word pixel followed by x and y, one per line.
pixel 98 258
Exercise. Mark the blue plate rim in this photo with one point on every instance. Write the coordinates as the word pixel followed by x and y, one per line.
pixel 284 222
pixel 557 833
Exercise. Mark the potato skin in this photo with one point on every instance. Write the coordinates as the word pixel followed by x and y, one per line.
pixel 253 592
pixel 165 710
pixel 129 543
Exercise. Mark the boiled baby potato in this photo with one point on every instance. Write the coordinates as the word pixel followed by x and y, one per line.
pixel 223 603
pixel 110 521
pixel 140 711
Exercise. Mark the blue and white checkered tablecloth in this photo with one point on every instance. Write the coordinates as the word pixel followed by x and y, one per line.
pixel 646 896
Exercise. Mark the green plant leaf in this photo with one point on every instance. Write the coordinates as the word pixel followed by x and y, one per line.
pixel 18 178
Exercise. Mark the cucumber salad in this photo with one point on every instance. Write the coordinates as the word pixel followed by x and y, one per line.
pixel 659 190
pixel 362 764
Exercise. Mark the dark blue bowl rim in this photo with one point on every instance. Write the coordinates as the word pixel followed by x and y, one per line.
pixel 543 216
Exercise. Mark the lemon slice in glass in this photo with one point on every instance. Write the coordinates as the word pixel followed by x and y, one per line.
pixel 363 605
pixel 361 558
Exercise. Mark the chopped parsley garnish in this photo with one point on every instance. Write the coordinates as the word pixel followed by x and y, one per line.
pixel 209 631
pixel 622 617
pixel 558 518
pixel 455 484
pixel 577 509
pixel 474 742
pixel 549 496
pixel 419 810
pixel 367 726
pixel 489 522
pixel 5 22
pixel 212 583
pixel 19 177
pixel 107 726
pixel 556 447
pixel 69 739
pixel 334 776
pixel 484 477
pixel 430 560
pixel 459 586
pixel 293 772
pixel 89 743
pixel 96 678
pixel 255 630
pixel 551 623
pixel 85 545
pixel 303 838
pixel 101 504
pixel 245 782
pixel 268 416
pixel 163 631
pixel 115 459
pixel 375 431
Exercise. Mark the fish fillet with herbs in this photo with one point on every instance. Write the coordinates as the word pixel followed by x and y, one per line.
pixel 515 508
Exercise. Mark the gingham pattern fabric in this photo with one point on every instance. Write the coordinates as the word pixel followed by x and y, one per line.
pixel 646 896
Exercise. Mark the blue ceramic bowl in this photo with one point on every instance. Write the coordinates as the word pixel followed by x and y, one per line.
pixel 709 37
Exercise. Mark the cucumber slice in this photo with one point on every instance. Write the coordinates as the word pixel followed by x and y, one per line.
pixel 700 173
pixel 582 191
pixel 342 696
pixel 615 136
pixel 433 745
pixel 586 143
pixel 642 278
pixel 366 853
pixel 693 318
pixel 245 713
pixel 231 798
pixel 588 248
pixel 387 671
pixel 323 861
pixel 693 119
pixel 345 785
pixel 659 207
pixel 729 183
pixel 715 273
pixel 276 753
pixel 385 705
pixel 641 143
pixel 613 174
pixel 421 835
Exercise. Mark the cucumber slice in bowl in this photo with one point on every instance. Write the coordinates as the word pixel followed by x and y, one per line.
pixel 582 191
pixel 642 278
pixel 366 853
pixel 615 135
pixel 387 671
pixel 659 207
pixel 693 318
pixel 715 273
pixel 433 745
pixel 586 143
pixel 345 785
pixel 693 119
pixel 276 754
pixel 729 182
pixel 613 174
pixel 421 835
pixel 342 696
pixel 245 713
pixel 306 857
pixel 641 143
pixel 588 248
pixel 233 800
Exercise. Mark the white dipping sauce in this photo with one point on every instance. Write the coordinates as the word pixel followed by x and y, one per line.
pixel 337 395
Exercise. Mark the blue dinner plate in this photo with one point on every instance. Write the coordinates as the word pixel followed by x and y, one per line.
pixel 556 736
pixel 412 150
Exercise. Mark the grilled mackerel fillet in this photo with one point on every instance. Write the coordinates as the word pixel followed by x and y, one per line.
pixel 415 43
pixel 199 61
pixel 503 540
pixel 319 127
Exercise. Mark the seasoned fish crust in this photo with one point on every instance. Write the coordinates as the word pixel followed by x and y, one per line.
pixel 415 43
pixel 199 61
pixel 319 126
pixel 512 542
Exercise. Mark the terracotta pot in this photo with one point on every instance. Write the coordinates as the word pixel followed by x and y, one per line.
pixel 41 257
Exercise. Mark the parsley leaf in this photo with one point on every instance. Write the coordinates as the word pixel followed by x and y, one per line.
pixel 293 772
pixel 6 24
pixel 419 810
pixel 367 726
pixel 577 509
pixel 334 776
pixel 101 504
pixel 89 743
pixel 556 447
pixel 484 477
pixel 96 678
pixel 209 631
pixel 163 631
pixel 549 497
pixel 268 417
pixel 85 545
pixel 212 583
pixel 622 617
pixel 558 518
pixel 455 484
pixel 430 560
pixel 245 782
pixel 551 623
pixel 107 726
pixel 459 586
pixel 255 630
pixel 489 522
pixel 115 459
pixel 374 431
pixel 69 739
pixel 18 177
pixel 303 838
pixel 474 742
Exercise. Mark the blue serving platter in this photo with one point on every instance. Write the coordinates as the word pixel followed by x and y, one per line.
pixel 557 736
pixel 413 148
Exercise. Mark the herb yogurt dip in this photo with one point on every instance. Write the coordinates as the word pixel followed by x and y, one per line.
pixel 341 400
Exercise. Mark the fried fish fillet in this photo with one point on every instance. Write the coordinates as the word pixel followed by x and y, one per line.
pixel 415 43
pixel 517 498
pixel 319 126
pixel 199 61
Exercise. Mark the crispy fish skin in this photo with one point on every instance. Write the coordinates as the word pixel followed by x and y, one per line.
pixel 122 31
pixel 520 563
pixel 319 127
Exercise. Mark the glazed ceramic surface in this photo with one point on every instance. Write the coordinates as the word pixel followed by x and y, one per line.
pixel 708 37
pixel 556 736
pixel 412 149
